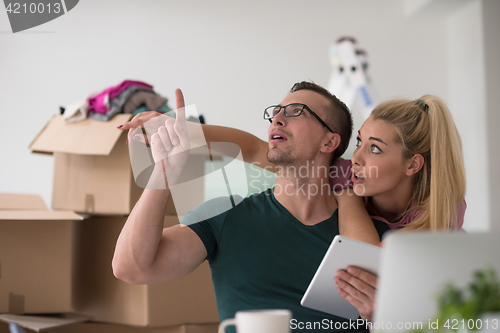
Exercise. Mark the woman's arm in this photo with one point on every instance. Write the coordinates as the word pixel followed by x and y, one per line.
pixel 253 149
pixel 354 221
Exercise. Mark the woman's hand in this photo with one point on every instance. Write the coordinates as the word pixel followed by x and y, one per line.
pixel 359 288
pixel 152 119
pixel 340 174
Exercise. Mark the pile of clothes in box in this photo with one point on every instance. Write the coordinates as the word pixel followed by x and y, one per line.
pixel 130 96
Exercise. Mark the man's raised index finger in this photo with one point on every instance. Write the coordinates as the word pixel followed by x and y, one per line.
pixel 179 102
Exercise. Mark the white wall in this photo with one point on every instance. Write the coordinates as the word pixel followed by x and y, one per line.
pixel 467 88
pixel 491 27
pixel 231 58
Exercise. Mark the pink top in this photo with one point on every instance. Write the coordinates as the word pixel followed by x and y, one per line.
pixel 340 177
pixel 415 214
pixel 100 102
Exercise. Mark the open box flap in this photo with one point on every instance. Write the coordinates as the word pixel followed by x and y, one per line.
pixel 87 137
pixel 38 215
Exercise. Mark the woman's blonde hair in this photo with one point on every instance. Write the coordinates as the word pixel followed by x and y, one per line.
pixel 425 126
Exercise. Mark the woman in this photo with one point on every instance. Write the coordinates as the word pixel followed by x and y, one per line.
pixel 407 170
pixel 408 162
pixel 408 165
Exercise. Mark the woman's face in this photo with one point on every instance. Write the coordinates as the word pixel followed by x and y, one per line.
pixel 378 166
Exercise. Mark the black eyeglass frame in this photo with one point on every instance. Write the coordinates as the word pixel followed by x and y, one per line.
pixel 272 107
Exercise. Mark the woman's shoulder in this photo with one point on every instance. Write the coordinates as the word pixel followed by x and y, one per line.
pixel 416 213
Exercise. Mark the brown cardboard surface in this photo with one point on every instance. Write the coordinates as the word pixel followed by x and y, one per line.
pixel 91 327
pixel 87 137
pixel 38 215
pixel 99 294
pixel 14 201
pixel 107 328
pixel 39 323
pixel 95 184
pixel 36 270
pixel 4 328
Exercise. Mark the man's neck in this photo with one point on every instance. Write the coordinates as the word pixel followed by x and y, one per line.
pixel 305 192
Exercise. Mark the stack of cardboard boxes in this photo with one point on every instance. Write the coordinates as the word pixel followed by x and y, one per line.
pixel 55 262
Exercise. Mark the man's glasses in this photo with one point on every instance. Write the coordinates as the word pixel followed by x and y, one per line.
pixel 291 110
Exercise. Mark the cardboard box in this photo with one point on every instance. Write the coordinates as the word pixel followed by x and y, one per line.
pixel 92 169
pixel 106 328
pixel 14 201
pixel 45 323
pixel 36 261
pixel 72 323
pixel 103 297
pixel 92 172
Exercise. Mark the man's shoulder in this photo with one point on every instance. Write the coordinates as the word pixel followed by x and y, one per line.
pixel 252 202
pixel 221 207
pixel 261 197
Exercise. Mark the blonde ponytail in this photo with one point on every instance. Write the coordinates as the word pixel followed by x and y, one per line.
pixel 426 127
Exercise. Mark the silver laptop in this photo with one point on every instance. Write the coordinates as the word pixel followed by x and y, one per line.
pixel 416 265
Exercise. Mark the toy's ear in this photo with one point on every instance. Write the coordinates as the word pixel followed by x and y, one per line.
pixel 415 164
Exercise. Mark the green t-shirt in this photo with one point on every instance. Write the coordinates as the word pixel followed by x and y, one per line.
pixel 262 257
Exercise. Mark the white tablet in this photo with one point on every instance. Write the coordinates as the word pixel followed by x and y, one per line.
pixel 322 294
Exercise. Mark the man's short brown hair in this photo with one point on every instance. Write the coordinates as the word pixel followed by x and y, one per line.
pixel 338 116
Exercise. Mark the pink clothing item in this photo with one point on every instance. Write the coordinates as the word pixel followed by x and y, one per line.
pixel 340 178
pixel 100 102
pixel 415 214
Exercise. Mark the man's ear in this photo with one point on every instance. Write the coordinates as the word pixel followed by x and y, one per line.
pixel 415 163
pixel 331 144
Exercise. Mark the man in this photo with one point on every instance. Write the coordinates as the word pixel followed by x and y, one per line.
pixel 263 252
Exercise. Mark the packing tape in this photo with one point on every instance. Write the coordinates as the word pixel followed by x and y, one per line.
pixel 89 203
pixel 16 304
